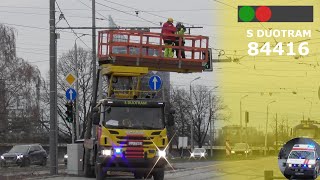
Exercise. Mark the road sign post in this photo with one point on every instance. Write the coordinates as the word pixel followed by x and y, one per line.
pixel 155 82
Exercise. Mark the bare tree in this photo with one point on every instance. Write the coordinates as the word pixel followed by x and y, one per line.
pixel 20 82
pixel 205 107
pixel 180 104
pixel 66 65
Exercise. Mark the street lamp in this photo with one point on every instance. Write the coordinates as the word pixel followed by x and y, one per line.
pixel 241 116
pixel 266 135
pixel 192 143
pixel 211 132
pixel 77 86
pixel 310 107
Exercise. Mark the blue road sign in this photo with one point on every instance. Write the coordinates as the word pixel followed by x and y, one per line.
pixel 71 94
pixel 155 82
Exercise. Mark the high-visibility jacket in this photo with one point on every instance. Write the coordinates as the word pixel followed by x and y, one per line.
pixel 180 32
pixel 167 29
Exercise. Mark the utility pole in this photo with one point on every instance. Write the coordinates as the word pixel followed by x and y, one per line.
pixel 266 134
pixel 211 135
pixel 77 89
pixel 94 54
pixel 192 122
pixel 276 132
pixel 87 166
pixel 53 92
pixel 241 117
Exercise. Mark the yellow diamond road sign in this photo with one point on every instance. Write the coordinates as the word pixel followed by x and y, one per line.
pixel 70 78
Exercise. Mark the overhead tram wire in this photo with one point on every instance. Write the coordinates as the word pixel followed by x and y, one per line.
pixel 141 10
pixel 76 34
pixel 74 9
pixel 127 13
pixel 105 18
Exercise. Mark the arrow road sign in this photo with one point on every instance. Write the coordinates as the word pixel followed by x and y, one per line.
pixel 155 82
pixel 71 94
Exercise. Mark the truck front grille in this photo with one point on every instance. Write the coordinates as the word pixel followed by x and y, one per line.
pixel 134 152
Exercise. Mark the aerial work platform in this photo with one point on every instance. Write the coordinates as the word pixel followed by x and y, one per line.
pixel 145 49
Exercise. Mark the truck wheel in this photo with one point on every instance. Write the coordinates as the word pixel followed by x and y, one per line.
pixel 99 172
pixel 158 175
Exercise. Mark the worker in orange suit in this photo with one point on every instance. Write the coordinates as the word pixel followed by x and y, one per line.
pixel 168 30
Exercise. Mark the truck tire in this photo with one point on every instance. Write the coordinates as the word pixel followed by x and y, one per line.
pixel 100 175
pixel 158 175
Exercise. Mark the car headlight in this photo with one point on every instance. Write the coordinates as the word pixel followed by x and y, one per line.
pixel 106 152
pixel 232 152
pixel 2 157
pixel 309 166
pixel 161 153
pixel 290 165
pixel 20 156
pixel 202 154
pixel 66 156
pixel 192 155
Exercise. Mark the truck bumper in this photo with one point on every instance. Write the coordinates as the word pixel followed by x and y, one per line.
pixel 131 165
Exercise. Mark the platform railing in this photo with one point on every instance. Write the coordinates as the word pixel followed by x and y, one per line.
pixel 149 45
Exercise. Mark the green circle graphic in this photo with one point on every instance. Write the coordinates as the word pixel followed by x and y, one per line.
pixel 246 13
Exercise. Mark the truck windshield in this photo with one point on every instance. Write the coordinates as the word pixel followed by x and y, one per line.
pixel 133 118
pixel 301 155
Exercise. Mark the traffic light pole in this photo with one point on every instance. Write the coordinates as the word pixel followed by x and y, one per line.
pixel 72 128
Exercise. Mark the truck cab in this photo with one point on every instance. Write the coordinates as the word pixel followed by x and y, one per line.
pixel 302 162
pixel 131 137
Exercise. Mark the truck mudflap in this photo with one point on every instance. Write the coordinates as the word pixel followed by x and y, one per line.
pixel 132 165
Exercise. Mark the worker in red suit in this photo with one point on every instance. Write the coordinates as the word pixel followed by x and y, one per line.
pixel 168 30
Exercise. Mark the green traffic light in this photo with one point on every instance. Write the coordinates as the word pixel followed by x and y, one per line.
pixel 246 13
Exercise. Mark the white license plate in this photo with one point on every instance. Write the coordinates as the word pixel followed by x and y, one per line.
pixel 135 143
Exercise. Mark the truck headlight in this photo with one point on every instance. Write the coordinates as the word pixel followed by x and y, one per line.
pixel 106 152
pixel 2 157
pixel 290 165
pixel 161 153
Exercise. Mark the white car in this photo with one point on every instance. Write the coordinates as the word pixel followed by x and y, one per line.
pixel 199 152
pixel 302 162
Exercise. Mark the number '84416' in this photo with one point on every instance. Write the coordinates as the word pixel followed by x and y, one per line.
pixel 254 49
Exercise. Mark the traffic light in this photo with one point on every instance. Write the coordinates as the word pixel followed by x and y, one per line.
pixel 208 66
pixel 247 116
pixel 69 112
pixel 275 13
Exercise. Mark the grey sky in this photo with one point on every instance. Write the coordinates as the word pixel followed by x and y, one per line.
pixel 33 43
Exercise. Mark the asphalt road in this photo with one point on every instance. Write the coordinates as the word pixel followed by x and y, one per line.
pixel 224 170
